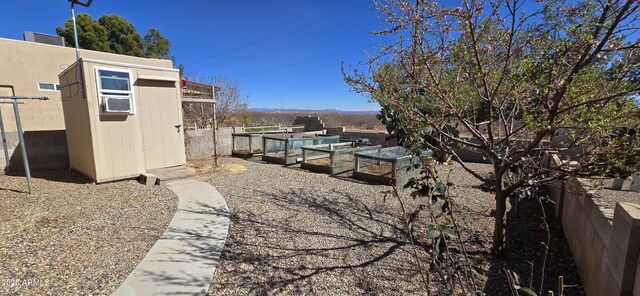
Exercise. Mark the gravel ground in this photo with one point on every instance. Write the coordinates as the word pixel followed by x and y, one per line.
pixel 72 237
pixel 294 232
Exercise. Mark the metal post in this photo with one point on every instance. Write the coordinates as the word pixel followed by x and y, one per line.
pixel 75 32
pixel 264 146
pixel 23 147
pixel 393 170
pixel 75 38
pixel 215 136
pixel 286 150
pixel 4 143
pixel 332 161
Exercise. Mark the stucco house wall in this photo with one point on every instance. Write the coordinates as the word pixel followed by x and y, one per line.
pixel 25 64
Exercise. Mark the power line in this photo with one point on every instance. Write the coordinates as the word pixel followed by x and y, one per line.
pixel 311 59
pixel 236 48
pixel 265 39
pixel 252 53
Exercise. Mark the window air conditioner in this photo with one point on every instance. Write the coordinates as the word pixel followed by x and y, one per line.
pixel 112 104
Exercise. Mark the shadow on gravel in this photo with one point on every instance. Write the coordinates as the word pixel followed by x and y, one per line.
pixel 190 269
pixel 524 252
pixel 301 241
pixel 58 175
pixel 61 176
pixel 308 239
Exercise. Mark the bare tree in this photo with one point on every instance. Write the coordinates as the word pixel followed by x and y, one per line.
pixel 230 104
pixel 513 75
pixel 230 101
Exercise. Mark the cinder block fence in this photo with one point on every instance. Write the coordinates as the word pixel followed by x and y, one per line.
pixel 605 242
pixel 45 150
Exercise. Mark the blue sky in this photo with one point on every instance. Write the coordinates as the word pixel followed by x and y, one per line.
pixel 283 53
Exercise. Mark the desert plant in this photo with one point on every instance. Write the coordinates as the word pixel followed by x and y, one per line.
pixel 448 258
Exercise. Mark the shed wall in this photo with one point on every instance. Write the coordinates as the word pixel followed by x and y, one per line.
pixel 78 132
pixel 117 143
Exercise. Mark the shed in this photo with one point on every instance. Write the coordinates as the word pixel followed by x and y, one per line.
pixel 124 120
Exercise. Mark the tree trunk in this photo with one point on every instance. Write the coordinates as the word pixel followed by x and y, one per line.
pixel 500 223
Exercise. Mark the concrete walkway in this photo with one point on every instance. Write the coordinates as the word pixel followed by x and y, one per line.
pixel 183 260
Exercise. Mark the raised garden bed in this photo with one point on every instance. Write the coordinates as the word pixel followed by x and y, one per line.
pixel 288 149
pixel 347 139
pixel 332 158
pixel 389 166
pixel 247 145
pixel 355 140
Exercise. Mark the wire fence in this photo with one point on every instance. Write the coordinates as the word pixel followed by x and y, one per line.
pixel 250 129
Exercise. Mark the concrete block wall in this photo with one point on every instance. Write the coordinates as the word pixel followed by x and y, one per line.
pixel 225 140
pixel 605 242
pixel 336 130
pixel 375 137
pixel 311 123
pixel 471 155
pixel 199 143
pixel 45 150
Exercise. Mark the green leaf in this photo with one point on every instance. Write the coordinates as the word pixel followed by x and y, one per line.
pixel 433 233
pixel 449 232
pixel 516 278
pixel 415 213
pixel 425 189
pixel 477 269
pixel 410 183
pixel 433 266
pixel 440 188
pixel 433 200
pixel 445 207
pixel 528 291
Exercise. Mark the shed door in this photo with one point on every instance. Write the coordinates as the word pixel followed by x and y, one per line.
pixel 160 113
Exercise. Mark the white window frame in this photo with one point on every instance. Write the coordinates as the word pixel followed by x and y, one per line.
pixel 122 93
pixel 56 87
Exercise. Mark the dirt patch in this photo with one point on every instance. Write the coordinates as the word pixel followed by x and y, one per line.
pixel 382 169
pixel 337 160
pixel 320 161
pixel 201 166
pixel 246 151
pixel 205 166
pixel 234 168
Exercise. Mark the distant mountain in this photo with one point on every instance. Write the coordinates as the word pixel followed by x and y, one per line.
pixel 275 110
